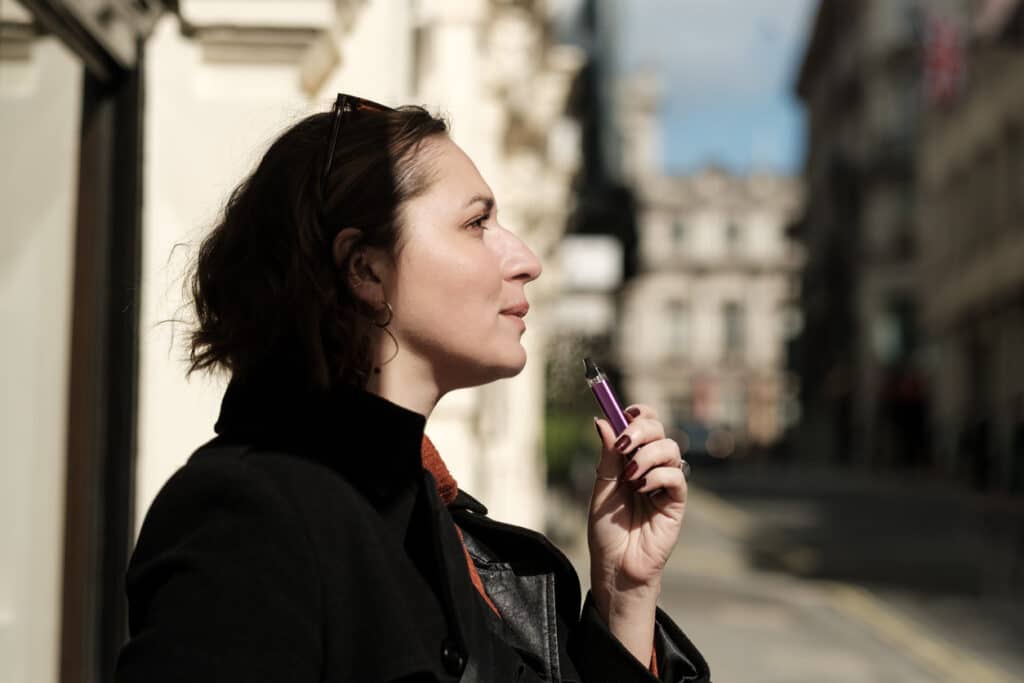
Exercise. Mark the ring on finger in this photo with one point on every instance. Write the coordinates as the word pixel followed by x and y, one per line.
pixel 685 467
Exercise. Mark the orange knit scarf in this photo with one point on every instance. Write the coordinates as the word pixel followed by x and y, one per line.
pixel 447 489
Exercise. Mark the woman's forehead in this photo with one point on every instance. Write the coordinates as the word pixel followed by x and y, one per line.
pixel 457 181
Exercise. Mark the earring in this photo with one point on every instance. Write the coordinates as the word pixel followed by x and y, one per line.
pixel 384 326
pixel 391 314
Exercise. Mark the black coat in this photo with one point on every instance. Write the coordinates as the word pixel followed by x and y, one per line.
pixel 307 543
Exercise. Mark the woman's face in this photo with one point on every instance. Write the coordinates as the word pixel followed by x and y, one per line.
pixel 458 288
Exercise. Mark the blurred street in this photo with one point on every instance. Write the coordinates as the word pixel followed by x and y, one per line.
pixel 785 576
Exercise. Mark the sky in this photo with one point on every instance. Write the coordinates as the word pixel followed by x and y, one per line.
pixel 726 70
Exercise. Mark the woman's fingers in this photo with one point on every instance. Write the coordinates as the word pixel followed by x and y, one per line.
pixel 640 410
pixel 640 431
pixel 663 453
pixel 669 480
pixel 610 463
pixel 640 447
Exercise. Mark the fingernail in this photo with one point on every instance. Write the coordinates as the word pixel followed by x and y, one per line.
pixel 629 471
pixel 638 484
pixel 622 443
pixel 598 428
pixel 633 412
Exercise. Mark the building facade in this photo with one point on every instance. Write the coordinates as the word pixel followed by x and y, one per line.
pixel 859 81
pixel 706 318
pixel 971 230
pixel 912 286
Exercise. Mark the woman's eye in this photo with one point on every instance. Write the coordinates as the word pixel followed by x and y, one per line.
pixel 479 223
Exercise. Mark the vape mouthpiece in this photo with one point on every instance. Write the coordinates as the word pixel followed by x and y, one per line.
pixel 592 370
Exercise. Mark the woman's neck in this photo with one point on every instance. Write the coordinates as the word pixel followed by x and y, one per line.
pixel 409 387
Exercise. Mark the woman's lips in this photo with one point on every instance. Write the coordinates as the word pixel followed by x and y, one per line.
pixel 517 313
pixel 520 310
pixel 515 318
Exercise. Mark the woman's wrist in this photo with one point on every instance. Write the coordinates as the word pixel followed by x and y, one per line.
pixel 610 586
pixel 624 599
pixel 629 614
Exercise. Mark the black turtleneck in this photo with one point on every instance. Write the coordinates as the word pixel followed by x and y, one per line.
pixel 373 443
pixel 370 442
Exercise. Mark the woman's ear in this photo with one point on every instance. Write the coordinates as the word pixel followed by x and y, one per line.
pixel 344 242
pixel 361 266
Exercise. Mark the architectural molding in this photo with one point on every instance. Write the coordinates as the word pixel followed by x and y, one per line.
pixel 105 35
pixel 241 44
pixel 313 50
pixel 17 38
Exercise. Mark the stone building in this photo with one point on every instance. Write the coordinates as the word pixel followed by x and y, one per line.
pixel 912 286
pixel 706 317
pixel 122 134
pixel 971 231
pixel 859 84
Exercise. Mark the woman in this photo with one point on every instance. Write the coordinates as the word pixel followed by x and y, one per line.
pixel 358 275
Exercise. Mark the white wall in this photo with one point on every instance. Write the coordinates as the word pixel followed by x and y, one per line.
pixel 207 124
pixel 40 105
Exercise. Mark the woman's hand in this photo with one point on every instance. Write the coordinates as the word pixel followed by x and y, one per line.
pixel 634 523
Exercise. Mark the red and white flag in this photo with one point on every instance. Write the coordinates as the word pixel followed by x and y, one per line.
pixel 945 61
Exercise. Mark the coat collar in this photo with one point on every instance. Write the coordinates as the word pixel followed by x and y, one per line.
pixel 370 441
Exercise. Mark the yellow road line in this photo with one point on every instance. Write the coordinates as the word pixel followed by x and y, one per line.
pixel 952 662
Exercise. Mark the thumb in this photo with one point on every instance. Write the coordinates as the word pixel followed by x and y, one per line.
pixel 610 462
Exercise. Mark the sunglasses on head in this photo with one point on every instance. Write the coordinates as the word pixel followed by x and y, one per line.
pixel 344 105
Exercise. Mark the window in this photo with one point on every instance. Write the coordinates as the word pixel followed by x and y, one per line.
pixel 677 328
pixel 893 333
pixel 733 323
pixel 734 404
pixel 678 233
pixel 733 234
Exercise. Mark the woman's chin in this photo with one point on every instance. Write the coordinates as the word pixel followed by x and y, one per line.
pixel 520 361
pixel 510 366
pixel 469 371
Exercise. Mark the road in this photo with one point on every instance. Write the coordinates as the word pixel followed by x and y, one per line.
pixel 803 583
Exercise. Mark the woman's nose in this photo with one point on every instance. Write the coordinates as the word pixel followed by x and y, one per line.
pixel 521 263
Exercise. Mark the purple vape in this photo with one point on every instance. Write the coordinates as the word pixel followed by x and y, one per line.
pixel 605 396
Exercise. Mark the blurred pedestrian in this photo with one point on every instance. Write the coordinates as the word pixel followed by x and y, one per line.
pixel 357 276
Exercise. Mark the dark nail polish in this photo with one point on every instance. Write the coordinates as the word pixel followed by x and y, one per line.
pixel 622 443
pixel 629 471
pixel 638 484
pixel 633 412
pixel 598 428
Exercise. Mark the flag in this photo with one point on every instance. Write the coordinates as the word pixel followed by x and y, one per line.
pixel 945 63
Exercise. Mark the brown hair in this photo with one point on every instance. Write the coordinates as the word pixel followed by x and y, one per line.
pixel 265 287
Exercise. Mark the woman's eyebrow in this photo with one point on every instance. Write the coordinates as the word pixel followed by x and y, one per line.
pixel 486 200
